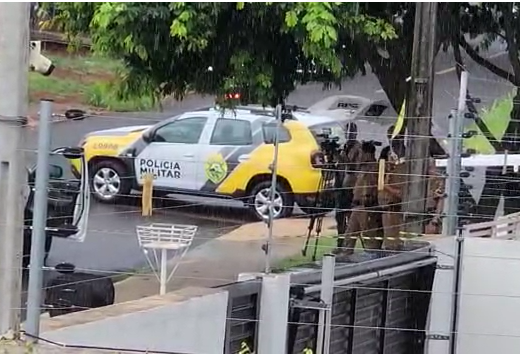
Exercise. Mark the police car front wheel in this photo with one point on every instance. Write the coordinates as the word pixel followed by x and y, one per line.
pixel 108 181
pixel 261 198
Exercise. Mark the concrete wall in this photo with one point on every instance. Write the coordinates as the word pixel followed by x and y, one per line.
pixel 441 300
pixel 192 320
pixel 490 297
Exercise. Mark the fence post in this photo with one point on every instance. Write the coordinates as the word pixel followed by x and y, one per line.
pixel 326 296
pixel 274 312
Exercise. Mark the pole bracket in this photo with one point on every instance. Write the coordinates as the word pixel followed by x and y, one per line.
pixel 436 336
pixel 445 266
pixel 310 305
pixel 20 120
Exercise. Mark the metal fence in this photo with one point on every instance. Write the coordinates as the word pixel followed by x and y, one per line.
pixel 384 314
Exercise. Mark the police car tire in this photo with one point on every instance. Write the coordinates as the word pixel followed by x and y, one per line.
pixel 126 186
pixel 287 199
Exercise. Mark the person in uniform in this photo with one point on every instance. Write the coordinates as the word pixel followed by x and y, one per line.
pixel 390 196
pixel 363 221
pixel 348 165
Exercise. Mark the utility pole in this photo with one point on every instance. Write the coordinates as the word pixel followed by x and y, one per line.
pixel 14 55
pixel 419 117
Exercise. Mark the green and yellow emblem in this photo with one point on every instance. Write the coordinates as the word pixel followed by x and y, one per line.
pixel 216 168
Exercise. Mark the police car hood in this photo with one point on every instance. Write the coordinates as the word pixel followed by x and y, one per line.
pixel 120 131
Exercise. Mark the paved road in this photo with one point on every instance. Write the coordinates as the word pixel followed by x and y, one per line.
pixel 112 244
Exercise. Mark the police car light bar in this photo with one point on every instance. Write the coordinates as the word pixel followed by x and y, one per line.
pixel 231 96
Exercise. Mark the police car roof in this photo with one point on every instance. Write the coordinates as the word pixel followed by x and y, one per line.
pixel 253 112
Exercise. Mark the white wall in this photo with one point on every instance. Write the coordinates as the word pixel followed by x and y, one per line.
pixel 441 300
pixel 490 297
pixel 193 325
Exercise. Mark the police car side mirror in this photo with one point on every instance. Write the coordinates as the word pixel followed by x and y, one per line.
pixel 55 172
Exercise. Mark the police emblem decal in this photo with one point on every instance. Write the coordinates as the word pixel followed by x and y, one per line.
pixel 215 168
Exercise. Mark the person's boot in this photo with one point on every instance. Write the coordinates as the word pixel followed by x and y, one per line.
pixel 339 246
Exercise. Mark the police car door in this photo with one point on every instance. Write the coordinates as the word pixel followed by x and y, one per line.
pixel 172 154
pixel 68 197
pixel 230 143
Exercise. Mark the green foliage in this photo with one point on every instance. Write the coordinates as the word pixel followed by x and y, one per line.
pixel 261 49
pixel 497 120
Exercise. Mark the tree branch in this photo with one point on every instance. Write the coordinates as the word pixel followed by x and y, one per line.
pixel 473 54
pixel 500 35
pixel 512 49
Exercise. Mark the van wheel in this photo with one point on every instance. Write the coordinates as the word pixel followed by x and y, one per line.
pixel 260 197
pixel 109 181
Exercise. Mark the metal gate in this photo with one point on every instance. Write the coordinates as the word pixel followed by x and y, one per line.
pixel 385 315
pixel 242 316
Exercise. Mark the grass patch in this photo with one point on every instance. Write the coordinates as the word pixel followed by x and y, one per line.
pixel 55 87
pixel 496 118
pixel 104 95
pixel 325 245
pixel 86 80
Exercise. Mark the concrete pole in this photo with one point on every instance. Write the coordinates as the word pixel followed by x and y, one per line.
pixel 39 223
pixel 419 113
pixel 274 312
pixel 14 55
pixel 326 295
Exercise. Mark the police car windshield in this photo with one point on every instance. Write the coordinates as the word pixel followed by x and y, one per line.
pixel 331 129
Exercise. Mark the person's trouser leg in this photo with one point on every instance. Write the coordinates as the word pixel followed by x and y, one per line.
pixel 354 229
pixel 343 200
pixel 373 231
pixel 392 223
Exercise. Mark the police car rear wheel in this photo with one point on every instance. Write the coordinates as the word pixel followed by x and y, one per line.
pixel 109 182
pixel 260 200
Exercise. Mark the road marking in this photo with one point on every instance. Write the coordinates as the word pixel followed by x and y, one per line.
pixel 449 70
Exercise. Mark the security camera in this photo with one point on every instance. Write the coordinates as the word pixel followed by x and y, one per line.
pixel 39 62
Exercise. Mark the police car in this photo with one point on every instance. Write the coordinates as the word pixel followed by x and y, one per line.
pixel 213 153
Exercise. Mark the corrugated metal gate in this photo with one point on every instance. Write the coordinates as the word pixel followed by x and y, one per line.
pixel 371 318
pixel 243 313
pixel 385 315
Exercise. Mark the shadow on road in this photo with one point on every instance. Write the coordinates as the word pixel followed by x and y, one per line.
pixel 196 208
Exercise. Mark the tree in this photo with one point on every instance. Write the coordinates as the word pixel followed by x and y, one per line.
pixel 263 49
pixel 493 21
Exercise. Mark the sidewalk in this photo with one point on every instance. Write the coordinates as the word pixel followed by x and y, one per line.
pixel 219 261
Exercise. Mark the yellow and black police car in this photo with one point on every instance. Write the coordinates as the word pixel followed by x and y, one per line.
pixel 213 153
